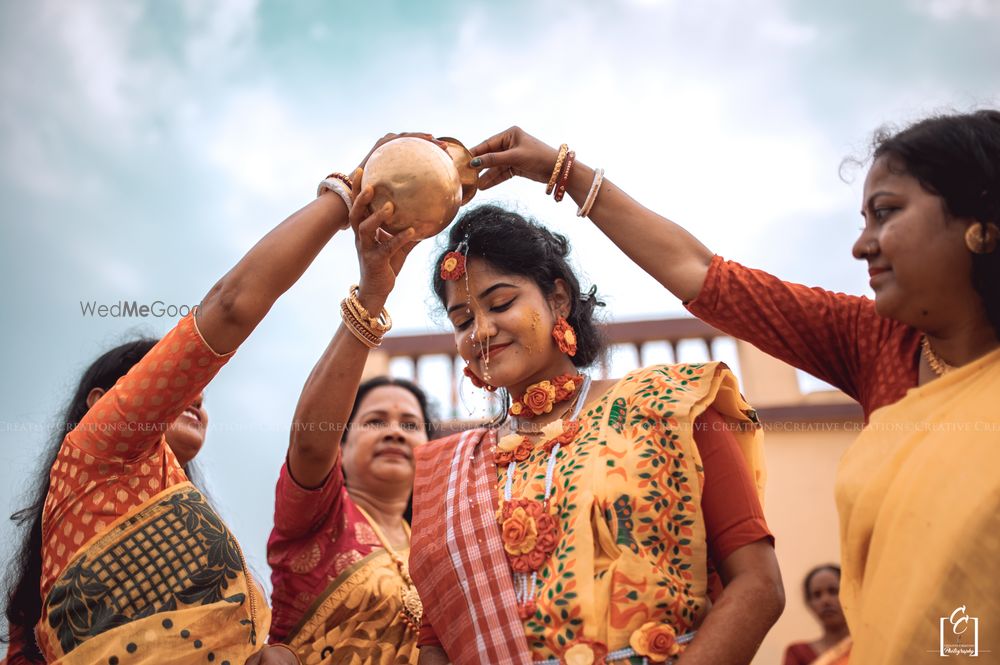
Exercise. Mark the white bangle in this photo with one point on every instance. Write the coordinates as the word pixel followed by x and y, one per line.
pixel 595 187
pixel 336 186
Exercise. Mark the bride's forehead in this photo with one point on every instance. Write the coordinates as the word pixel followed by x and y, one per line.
pixel 482 278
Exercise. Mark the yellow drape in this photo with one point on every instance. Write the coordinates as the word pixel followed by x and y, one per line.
pixel 919 501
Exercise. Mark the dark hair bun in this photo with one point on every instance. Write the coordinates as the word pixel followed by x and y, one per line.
pixel 516 245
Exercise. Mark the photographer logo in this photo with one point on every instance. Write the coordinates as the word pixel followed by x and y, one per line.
pixel 959 634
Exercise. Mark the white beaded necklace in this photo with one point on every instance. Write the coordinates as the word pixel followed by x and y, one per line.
pixel 525 585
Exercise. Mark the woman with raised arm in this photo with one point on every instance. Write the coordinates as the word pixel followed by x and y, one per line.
pixel 918 493
pixel 132 564
pixel 185 436
pixel 602 519
pixel 338 550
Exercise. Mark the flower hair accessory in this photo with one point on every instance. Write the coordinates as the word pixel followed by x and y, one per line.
pixel 453 263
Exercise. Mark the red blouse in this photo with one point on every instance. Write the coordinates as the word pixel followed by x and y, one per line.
pixel 317 534
pixel 833 336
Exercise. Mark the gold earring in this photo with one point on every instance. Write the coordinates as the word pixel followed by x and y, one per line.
pixel 982 238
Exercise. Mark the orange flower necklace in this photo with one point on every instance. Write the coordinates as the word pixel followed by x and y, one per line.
pixel 528 528
pixel 540 397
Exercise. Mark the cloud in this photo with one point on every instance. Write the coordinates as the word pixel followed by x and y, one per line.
pixel 950 10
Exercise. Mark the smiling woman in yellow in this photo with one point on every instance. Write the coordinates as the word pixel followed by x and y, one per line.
pixel 594 521
pixel 918 493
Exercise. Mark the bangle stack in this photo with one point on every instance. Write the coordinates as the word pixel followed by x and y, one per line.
pixel 595 187
pixel 339 184
pixel 564 177
pixel 560 180
pixel 557 169
pixel 367 328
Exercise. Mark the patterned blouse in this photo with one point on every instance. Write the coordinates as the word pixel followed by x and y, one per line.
pixel 117 457
pixel 835 337
pixel 317 534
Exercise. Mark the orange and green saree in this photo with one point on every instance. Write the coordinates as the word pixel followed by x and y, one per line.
pixel 166 583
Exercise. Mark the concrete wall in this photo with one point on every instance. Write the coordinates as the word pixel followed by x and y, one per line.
pixel 800 510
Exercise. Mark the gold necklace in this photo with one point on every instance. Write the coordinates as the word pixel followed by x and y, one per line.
pixel 937 365
pixel 413 607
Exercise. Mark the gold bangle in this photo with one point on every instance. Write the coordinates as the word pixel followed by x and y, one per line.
pixel 557 169
pixel 361 316
pixel 358 324
pixel 380 325
pixel 357 328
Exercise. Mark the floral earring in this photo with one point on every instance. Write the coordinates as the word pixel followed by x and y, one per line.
pixel 476 381
pixel 565 336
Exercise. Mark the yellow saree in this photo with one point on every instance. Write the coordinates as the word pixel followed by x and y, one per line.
pixel 164 584
pixel 630 572
pixel 358 618
pixel 919 501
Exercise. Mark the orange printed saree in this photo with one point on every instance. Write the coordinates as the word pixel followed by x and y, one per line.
pixel 166 583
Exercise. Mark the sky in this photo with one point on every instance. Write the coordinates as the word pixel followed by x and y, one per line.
pixel 145 146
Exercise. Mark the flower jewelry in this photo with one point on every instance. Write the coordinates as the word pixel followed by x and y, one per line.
pixel 476 381
pixel 540 397
pixel 452 266
pixel 585 652
pixel 517 448
pixel 570 428
pixel 529 531
pixel 565 336
pixel 655 641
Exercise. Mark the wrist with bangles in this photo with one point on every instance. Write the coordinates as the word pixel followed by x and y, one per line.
pixel 339 184
pixel 361 323
pixel 559 180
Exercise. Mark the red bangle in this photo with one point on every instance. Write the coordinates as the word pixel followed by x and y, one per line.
pixel 564 178
pixel 344 179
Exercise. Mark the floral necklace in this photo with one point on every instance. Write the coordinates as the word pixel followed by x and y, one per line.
pixel 413 609
pixel 529 530
pixel 540 397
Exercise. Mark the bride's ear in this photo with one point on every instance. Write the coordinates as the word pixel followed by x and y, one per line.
pixel 559 300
